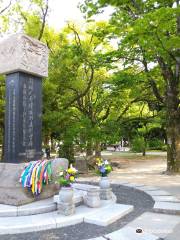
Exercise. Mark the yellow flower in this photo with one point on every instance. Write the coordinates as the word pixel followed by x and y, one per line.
pixel 71 178
pixel 72 170
pixel 69 170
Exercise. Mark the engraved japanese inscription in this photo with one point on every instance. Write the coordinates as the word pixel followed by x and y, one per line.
pixel 23 117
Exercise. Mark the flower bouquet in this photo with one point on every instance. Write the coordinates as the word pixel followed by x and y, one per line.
pixel 103 167
pixel 66 177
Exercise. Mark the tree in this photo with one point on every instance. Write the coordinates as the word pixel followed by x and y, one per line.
pixel 82 79
pixel 149 38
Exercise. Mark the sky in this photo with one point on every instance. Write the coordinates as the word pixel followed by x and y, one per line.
pixel 67 10
pixel 62 11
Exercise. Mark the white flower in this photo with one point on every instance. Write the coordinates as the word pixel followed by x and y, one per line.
pixel 73 168
pixel 60 173
pixel 106 162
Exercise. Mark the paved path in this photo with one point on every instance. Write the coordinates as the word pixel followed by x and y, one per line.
pixel 150 173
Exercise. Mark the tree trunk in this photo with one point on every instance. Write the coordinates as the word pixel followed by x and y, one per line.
pixel 144 152
pixel 173 142
pixel 89 148
pixel 173 127
pixel 97 149
pixel 46 140
pixel 173 111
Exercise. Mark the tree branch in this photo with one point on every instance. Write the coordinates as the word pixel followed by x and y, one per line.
pixel 151 80
pixel 163 47
pixel 81 95
pixel 76 34
pixel 44 12
pixel 5 8
pixel 127 107
pixel 166 70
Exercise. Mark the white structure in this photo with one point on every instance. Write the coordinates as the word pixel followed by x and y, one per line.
pixel 21 53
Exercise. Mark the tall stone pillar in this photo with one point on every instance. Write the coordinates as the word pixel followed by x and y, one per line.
pixel 24 61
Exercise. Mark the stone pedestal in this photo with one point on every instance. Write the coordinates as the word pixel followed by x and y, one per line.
pixel 24 61
pixel 66 208
pixel 93 198
pixel 106 194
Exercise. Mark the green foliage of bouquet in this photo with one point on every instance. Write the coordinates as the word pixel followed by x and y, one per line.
pixel 66 177
pixel 103 167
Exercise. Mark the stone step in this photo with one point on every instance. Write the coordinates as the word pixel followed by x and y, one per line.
pixel 147 188
pixel 32 223
pixel 156 223
pixel 167 207
pixel 128 233
pixel 38 207
pixel 165 199
pixel 158 193
pixel 52 220
pixel 106 216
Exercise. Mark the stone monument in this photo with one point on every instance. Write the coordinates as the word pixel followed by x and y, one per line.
pixel 24 61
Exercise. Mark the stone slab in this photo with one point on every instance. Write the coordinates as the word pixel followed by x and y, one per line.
pixel 84 187
pixel 128 233
pixel 175 235
pixel 167 207
pixel 108 215
pixel 81 165
pixel 133 185
pixel 118 182
pixel 7 210
pixel 165 199
pixel 13 225
pixel 158 193
pixel 98 238
pixel 23 224
pixel 147 188
pixel 26 210
pixel 20 52
pixel 155 223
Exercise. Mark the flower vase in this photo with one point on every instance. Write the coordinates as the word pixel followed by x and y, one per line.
pixel 66 195
pixel 104 182
pixel 66 205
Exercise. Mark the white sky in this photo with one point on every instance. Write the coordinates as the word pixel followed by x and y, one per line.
pixel 63 11
pixel 67 10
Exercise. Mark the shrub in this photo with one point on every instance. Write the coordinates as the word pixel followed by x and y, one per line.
pixel 155 144
pixel 138 144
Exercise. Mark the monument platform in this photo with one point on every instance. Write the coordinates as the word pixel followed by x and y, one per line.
pixel 154 225
pixel 38 207
pixel 52 220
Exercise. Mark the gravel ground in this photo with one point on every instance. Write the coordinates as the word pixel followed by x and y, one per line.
pixel 125 195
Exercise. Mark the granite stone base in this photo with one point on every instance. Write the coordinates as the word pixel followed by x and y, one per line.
pixel 106 194
pixel 11 191
pixel 66 208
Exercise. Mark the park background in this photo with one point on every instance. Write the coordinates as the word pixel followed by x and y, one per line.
pixel 113 75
